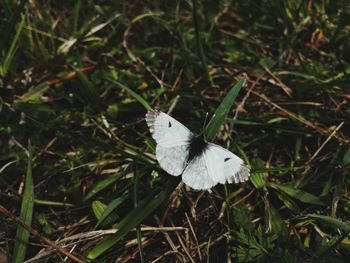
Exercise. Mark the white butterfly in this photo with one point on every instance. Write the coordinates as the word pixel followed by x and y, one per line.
pixel 201 164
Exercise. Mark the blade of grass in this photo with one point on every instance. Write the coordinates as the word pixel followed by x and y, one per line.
pixel 298 194
pixel 143 209
pixel 98 209
pixel 142 101
pixel 103 184
pixel 331 221
pixel 199 42
pixel 26 215
pixel 35 93
pixel 11 52
pixel 221 112
pixel 138 228
pixel 52 203
pixel 325 249
pixel 88 88
pixel 110 208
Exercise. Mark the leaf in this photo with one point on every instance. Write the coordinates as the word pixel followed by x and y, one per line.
pixel 103 184
pixel 34 93
pixel 223 109
pixel 324 253
pixel 10 54
pixel 142 101
pixel 88 88
pixel 298 194
pixel 331 221
pixel 346 158
pixel 99 208
pixel 101 26
pixel 267 62
pixel 26 216
pixel 135 217
pixel 110 208
pixel 288 202
pixel 258 180
pixel 67 45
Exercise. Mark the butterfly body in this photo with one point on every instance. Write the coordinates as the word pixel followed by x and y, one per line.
pixel 201 164
pixel 197 145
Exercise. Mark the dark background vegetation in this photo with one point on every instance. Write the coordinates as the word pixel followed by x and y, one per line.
pixel 76 157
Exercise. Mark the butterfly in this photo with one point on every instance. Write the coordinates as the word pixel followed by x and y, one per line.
pixel 180 152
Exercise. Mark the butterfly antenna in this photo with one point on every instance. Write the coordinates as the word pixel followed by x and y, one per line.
pixel 204 124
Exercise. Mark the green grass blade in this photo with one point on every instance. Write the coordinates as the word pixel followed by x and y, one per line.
pixel 138 227
pixel 26 215
pixel 98 208
pixel 10 54
pixel 132 93
pixel 135 217
pixel 331 221
pixel 223 109
pixel 298 194
pixel 326 248
pixel 199 45
pixel 103 184
pixel 88 88
pixel 110 208
pixel 34 93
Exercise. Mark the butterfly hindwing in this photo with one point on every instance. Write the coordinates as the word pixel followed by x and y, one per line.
pixel 172 141
pixel 224 166
pixel 172 159
pixel 196 174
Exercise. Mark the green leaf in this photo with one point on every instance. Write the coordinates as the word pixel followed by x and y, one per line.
pixel 103 184
pixel 288 202
pixel 89 89
pixel 26 216
pixel 223 109
pixel 199 46
pixel 99 208
pixel 324 253
pixel 10 54
pixel 298 194
pixel 110 208
pixel 135 217
pixel 34 93
pixel 258 180
pixel 346 158
pixel 142 101
pixel 267 62
pixel 331 221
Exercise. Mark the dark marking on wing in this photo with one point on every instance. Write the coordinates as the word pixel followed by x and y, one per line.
pixel 169 124
pixel 226 159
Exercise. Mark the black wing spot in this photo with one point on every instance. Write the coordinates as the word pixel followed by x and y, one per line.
pixel 169 124
pixel 226 159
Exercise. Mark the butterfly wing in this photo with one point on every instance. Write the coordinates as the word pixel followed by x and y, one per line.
pixel 196 174
pixel 224 166
pixel 172 141
pixel 214 165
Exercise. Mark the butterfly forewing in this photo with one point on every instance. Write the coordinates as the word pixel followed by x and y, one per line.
pixel 167 131
pixel 172 139
pixel 224 166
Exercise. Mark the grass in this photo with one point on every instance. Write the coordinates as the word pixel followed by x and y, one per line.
pixel 76 81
